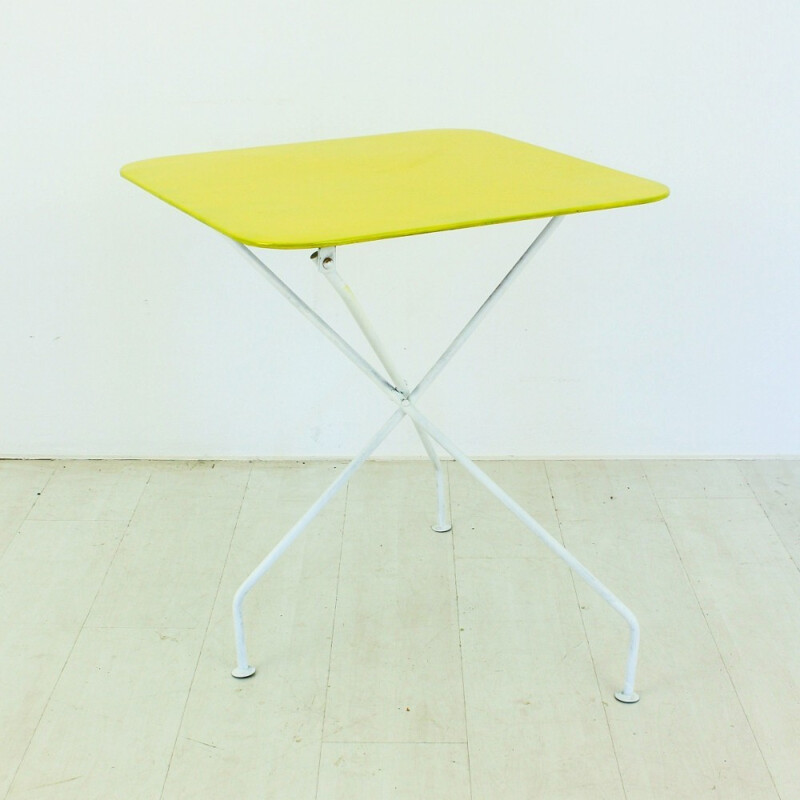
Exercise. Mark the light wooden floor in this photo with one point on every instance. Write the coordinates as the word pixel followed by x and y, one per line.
pixel 395 662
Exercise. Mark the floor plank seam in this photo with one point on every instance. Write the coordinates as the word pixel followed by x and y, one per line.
pixel 587 640
pixel 390 742
pixel 28 512
pixel 80 630
pixel 769 518
pixel 458 623
pixel 205 635
pixel 735 689
pixel 333 633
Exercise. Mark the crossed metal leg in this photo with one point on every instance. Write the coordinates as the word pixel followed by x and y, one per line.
pixel 399 393
pixel 326 259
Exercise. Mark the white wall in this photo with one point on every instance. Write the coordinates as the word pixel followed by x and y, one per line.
pixel 128 329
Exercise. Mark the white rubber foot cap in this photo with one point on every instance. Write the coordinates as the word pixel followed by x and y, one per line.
pixel 243 673
pixel 442 528
pixel 627 698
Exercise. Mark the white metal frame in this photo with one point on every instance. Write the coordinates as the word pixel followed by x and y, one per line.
pixel 398 392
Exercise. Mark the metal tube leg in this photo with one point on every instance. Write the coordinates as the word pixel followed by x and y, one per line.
pixel 243 668
pixel 627 695
pixel 488 304
pixel 329 255
pixel 443 525
pixel 406 399
pixel 326 261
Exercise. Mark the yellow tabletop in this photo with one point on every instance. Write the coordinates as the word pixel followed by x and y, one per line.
pixel 342 191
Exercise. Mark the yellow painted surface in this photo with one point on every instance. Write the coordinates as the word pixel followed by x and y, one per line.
pixel 342 191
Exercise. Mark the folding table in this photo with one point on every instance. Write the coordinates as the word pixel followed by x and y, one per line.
pixel 320 195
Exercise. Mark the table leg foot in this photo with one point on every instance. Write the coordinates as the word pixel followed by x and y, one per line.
pixel 245 672
pixel 442 528
pixel 627 698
